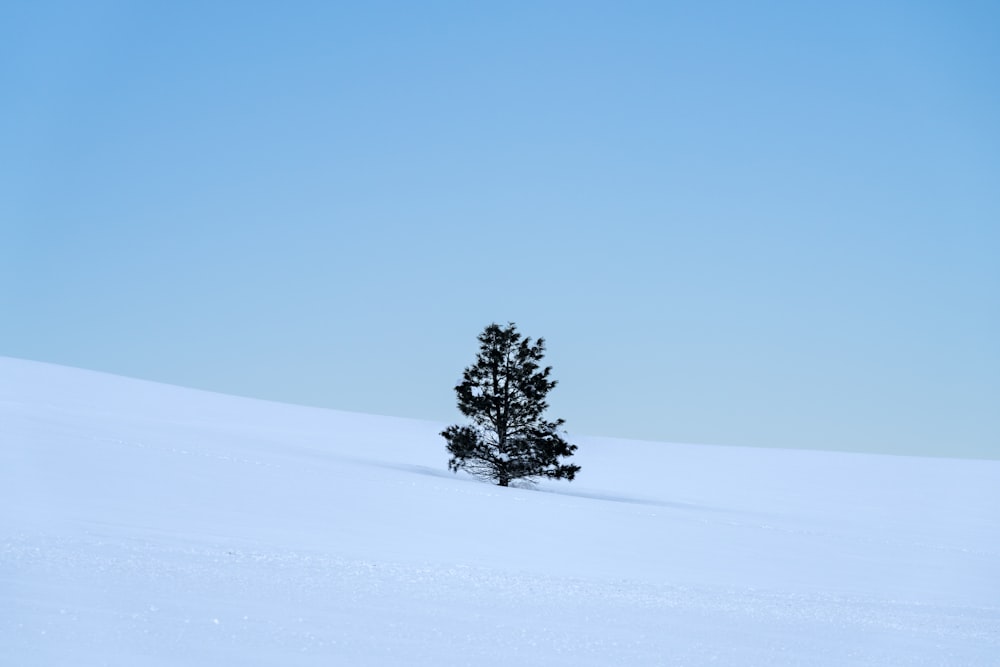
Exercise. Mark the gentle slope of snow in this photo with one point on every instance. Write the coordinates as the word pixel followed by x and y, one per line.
pixel 144 524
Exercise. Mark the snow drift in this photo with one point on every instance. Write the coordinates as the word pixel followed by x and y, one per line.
pixel 145 524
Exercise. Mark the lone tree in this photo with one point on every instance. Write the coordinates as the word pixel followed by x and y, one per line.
pixel 503 393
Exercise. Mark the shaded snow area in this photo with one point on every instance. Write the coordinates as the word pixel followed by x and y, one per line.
pixel 143 524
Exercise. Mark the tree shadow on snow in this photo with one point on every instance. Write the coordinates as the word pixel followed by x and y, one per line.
pixel 631 500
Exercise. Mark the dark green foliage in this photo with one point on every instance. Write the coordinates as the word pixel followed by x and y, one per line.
pixel 503 394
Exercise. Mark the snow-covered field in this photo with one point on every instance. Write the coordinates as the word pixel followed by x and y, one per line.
pixel 144 524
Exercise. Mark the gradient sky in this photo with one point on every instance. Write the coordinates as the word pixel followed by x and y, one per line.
pixel 768 224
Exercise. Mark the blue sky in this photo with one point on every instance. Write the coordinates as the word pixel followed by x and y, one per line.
pixel 767 224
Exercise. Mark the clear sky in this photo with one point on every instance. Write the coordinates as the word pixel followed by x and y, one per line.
pixel 766 223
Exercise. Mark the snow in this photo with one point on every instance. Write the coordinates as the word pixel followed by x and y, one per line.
pixel 145 524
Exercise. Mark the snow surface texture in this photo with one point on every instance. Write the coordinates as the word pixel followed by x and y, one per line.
pixel 144 524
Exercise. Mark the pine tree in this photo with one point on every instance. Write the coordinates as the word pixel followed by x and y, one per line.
pixel 503 393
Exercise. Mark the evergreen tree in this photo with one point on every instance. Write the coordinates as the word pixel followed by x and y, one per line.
pixel 503 393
